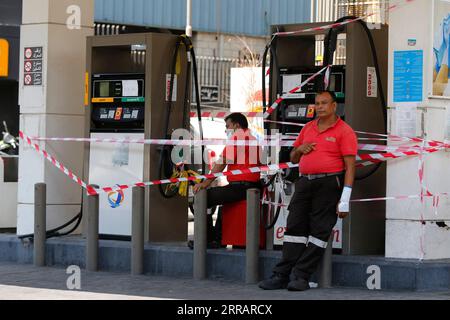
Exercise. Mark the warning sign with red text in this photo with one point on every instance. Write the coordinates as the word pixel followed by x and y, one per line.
pixel 33 66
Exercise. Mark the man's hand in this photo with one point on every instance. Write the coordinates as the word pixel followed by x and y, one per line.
pixel 343 207
pixel 202 185
pixel 342 210
pixel 297 153
pixel 307 148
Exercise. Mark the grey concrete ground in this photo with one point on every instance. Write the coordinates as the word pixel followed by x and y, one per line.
pixel 27 282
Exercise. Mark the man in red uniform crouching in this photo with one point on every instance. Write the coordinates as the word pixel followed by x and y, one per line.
pixel 235 157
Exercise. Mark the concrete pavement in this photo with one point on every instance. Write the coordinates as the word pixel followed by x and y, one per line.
pixel 28 282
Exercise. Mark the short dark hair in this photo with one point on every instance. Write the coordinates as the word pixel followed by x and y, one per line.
pixel 331 93
pixel 238 118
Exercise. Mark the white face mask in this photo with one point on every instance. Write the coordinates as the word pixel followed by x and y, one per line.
pixel 230 133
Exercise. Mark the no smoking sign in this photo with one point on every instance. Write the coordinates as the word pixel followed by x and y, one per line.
pixel 28 79
pixel 33 66
pixel 28 66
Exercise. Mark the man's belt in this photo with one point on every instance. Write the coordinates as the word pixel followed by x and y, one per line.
pixel 248 184
pixel 321 175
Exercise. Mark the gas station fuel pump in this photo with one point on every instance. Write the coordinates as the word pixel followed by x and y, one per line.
pixel 128 79
pixel 118 106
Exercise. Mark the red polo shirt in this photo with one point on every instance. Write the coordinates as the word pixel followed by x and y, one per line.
pixel 242 157
pixel 331 146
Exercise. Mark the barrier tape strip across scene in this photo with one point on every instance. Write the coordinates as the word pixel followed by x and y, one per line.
pixel 373 158
pixel 393 138
pixel 271 141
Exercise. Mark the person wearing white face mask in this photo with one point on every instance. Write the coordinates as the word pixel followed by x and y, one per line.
pixel 235 157
pixel 230 133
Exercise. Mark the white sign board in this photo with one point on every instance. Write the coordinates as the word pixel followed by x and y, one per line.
pixel 130 88
pixel 372 83
pixel 406 121
pixel 246 95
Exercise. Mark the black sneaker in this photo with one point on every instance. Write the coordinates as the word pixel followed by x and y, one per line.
pixel 276 282
pixel 298 284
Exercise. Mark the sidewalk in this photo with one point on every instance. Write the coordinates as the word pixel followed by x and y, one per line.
pixel 29 282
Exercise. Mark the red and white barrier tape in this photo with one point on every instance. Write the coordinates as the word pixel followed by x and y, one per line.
pixel 369 161
pixel 57 164
pixel 435 197
pixel 406 149
pixel 272 167
pixel 92 191
pixel 222 115
pixel 372 158
pixel 176 142
pixel 269 110
pixel 295 124
pixel 222 142
pixel 323 28
pixel 390 155
pixel 275 105
pixel 393 138
pixel 336 25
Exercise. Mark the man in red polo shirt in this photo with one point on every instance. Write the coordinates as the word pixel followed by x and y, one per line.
pixel 235 157
pixel 326 149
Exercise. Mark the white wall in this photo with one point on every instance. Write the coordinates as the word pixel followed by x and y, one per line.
pixel 406 236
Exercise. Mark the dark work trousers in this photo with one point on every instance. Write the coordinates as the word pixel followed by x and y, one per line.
pixel 222 195
pixel 312 216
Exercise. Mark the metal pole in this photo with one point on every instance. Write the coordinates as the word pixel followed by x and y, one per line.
pixel 200 203
pixel 270 232
pixel 189 18
pixel 137 232
pixel 252 237
pixel 84 218
pixel 40 212
pixel 92 233
pixel 326 266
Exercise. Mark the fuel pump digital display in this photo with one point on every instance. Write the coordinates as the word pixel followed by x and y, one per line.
pixel 118 88
pixel 120 113
pixel 300 106
pixel 118 102
pixel 104 89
